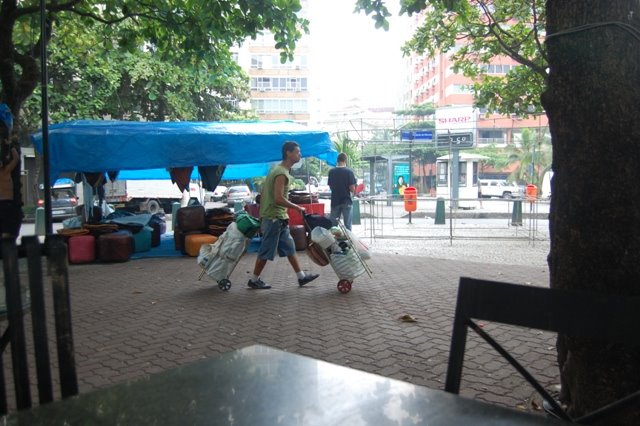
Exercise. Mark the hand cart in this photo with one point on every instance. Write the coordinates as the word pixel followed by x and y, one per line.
pixel 219 263
pixel 347 264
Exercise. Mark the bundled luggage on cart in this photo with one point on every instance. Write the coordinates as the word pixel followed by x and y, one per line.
pixel 218 260
pixel 338 247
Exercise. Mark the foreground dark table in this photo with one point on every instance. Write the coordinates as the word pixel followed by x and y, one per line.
pixel 259 385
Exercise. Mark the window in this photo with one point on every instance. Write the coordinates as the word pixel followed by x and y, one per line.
pixel 443 173
pixel 475 173
pixel 462 173
pixel 491 136
pixel 279 84
pixel 280 106
pixel 496 68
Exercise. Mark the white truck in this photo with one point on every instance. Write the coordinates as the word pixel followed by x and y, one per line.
pixel 150 195
pixel 499 188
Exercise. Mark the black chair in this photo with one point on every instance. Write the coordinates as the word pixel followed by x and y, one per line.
pixel 566 312
pixel 55 251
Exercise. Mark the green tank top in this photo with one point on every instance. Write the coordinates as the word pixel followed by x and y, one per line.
pixel 268 207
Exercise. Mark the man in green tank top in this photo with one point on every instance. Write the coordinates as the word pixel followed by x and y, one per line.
pixel 274 220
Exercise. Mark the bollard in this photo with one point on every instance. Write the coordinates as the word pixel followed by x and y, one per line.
pixel 174 215
pixel 355 216
pixel 40 221
pixel 516 215
pixel 440 211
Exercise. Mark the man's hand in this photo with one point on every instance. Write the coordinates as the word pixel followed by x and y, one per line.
pixel 302 210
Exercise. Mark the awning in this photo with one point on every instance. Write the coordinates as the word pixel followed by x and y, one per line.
pixel 107 145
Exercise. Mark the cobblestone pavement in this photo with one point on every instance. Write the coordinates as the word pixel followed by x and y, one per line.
pixel 145 316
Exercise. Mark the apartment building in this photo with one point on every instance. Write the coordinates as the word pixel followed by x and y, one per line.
pixel 278 91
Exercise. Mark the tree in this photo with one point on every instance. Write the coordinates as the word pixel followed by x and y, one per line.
pixel 172 30
pixel 134 84
pixel 476 31
pixel 591 97
pixel 190 34
pixel 592 100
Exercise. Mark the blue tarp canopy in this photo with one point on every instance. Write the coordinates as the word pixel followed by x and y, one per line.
pixel 247 147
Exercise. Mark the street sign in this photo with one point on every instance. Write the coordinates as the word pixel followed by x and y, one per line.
pixel 455 140
pixel 416 135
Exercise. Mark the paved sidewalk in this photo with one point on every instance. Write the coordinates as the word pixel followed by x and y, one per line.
pixel 148 315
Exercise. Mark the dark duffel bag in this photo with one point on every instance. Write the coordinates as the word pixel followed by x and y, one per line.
pixel 313 220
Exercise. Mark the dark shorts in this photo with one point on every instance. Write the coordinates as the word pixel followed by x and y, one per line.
pixel 10 217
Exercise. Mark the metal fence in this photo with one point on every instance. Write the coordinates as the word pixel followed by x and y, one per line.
pixel 488 219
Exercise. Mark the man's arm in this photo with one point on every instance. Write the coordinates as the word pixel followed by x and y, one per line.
pixel 352 186
pixel 279 197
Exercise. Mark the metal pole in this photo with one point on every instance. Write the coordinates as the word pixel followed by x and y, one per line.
pixel 45 119
pixel 410 165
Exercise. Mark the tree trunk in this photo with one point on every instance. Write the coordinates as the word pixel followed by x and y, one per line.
pixel 592 101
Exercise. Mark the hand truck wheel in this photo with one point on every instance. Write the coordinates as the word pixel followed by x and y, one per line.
pixel 344 286
pixel 224 284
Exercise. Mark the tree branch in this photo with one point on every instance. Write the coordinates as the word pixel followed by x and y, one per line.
pixel 117 20
pixel 510 51
pixel 51 7
pixel 541 48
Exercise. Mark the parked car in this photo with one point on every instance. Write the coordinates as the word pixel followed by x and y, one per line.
pixel 63 203
pixel 324 191
pixel 499 188
pixel 217 194
pixel 238 193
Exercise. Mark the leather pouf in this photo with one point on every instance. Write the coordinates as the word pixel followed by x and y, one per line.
pixel 191 218
pixel 115 247
pixel 142 240
pixel 82 249
pixel 193 242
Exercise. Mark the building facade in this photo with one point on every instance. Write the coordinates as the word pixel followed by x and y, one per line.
pixel 433 80
pixel 279 91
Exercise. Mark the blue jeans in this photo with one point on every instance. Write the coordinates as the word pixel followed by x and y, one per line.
pixel 344 210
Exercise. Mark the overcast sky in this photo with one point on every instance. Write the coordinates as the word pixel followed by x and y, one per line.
pixel 351 58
